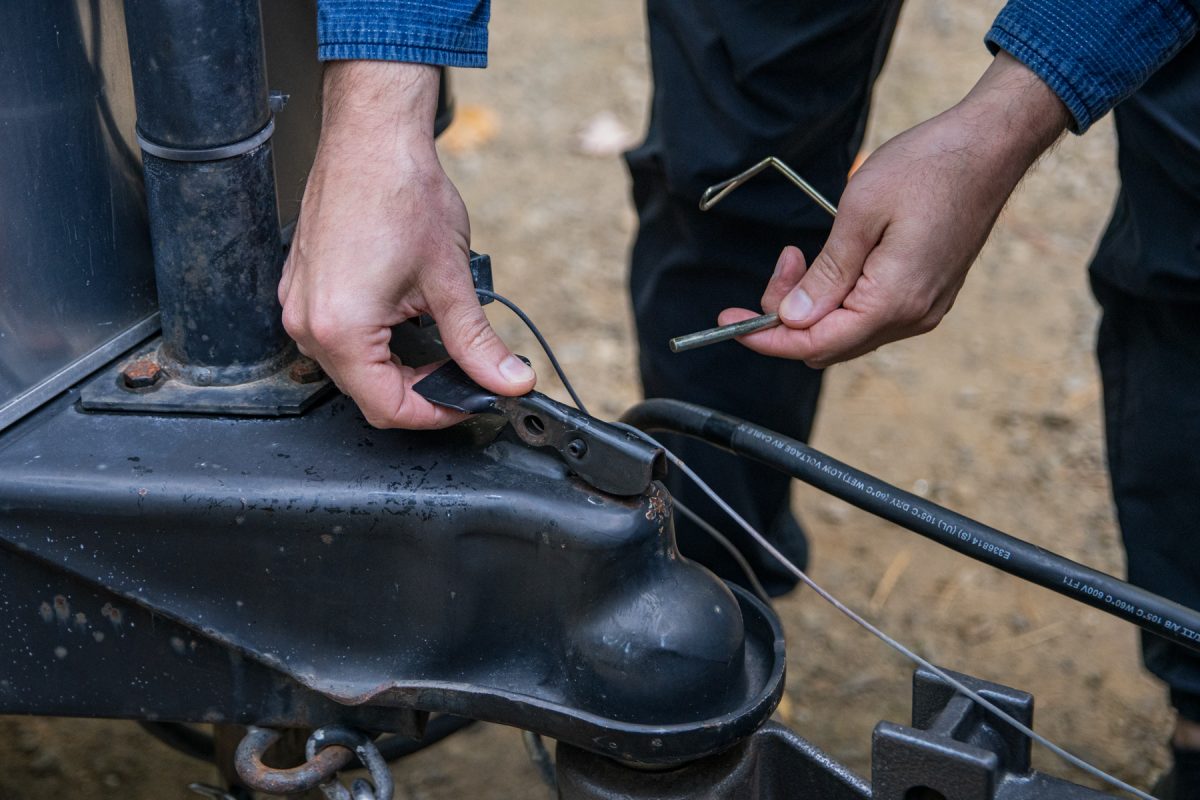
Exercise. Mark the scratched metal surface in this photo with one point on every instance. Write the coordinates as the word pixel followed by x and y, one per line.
pixel 75 267
pixel 76 272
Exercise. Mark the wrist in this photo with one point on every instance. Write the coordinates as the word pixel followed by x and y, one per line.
pixel 1014 113
pixel 386 107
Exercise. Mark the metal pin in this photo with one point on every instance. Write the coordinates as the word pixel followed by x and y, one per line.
pixel 718 192
pixel 715 194
pixel 720 334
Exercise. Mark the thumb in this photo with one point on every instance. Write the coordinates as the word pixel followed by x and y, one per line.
pixel 831 275
pixel 474 346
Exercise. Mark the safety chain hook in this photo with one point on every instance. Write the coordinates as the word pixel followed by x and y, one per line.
pixel 380 787
pixel 327 751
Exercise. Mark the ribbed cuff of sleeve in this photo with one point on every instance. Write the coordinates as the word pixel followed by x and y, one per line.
pixel 449 34
pixel 1092 55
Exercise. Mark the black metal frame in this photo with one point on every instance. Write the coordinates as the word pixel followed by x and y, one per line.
pixel 951 750
pixel 313 571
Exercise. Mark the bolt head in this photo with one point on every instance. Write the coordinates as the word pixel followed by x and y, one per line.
pixel 141 374
pixel 305 370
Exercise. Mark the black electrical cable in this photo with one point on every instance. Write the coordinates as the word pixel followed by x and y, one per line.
pixel 892 642
pixel 719 429
pixel 562 376
pixel 973 539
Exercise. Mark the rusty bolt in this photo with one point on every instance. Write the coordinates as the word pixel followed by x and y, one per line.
pixel 141 374
pixel 305 370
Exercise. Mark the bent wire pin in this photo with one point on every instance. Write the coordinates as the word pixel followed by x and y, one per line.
pixel 715 194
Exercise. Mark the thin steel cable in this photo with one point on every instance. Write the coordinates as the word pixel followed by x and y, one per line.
pixel 1061 752
pixel 730 548
pixel 562 376
pixel 828 597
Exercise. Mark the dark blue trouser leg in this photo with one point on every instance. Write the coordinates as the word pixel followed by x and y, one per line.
pixel 1146 275
pixel 736 81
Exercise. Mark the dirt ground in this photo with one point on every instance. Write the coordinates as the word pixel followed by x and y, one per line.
pixel 995 414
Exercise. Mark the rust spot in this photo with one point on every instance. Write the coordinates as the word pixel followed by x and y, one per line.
pixel 62 609
pixel 656 508
pixel 141 374
pixel 305 370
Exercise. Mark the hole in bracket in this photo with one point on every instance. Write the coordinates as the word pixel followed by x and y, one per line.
pixel 534 425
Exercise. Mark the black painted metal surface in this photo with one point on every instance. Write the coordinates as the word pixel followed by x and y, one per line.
pixel 200 82
pixel 774 764
pixel 218 258
pixel 379 570
pixel 954 751
pixel 287 391
pixel 606 457
pixel 199 74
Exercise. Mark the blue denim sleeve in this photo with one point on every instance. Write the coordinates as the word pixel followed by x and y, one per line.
pixel 1093 53
pixel 450 33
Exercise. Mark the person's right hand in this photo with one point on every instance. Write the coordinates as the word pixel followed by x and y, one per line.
pixel 912 220
pixel 383 236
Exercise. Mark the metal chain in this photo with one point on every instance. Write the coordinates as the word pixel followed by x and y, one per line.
pixel 327 751
pixel 380 787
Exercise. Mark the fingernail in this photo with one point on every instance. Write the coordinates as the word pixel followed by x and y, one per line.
pixel 515 370
pixel 779 263
pixel 796 306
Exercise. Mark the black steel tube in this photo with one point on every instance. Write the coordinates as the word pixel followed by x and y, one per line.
pixel 218 258
pixel 199 71
pixel 199 77
pixel 1007 553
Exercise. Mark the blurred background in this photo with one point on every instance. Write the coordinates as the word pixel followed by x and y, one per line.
pixel 995 414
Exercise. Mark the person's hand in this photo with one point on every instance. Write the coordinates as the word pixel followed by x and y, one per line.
pixel 383 236
pixel 911 222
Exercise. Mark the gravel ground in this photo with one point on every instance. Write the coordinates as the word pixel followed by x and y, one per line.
pixel 995 414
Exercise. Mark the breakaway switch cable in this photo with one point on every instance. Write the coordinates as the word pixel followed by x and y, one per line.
pixel 960 533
